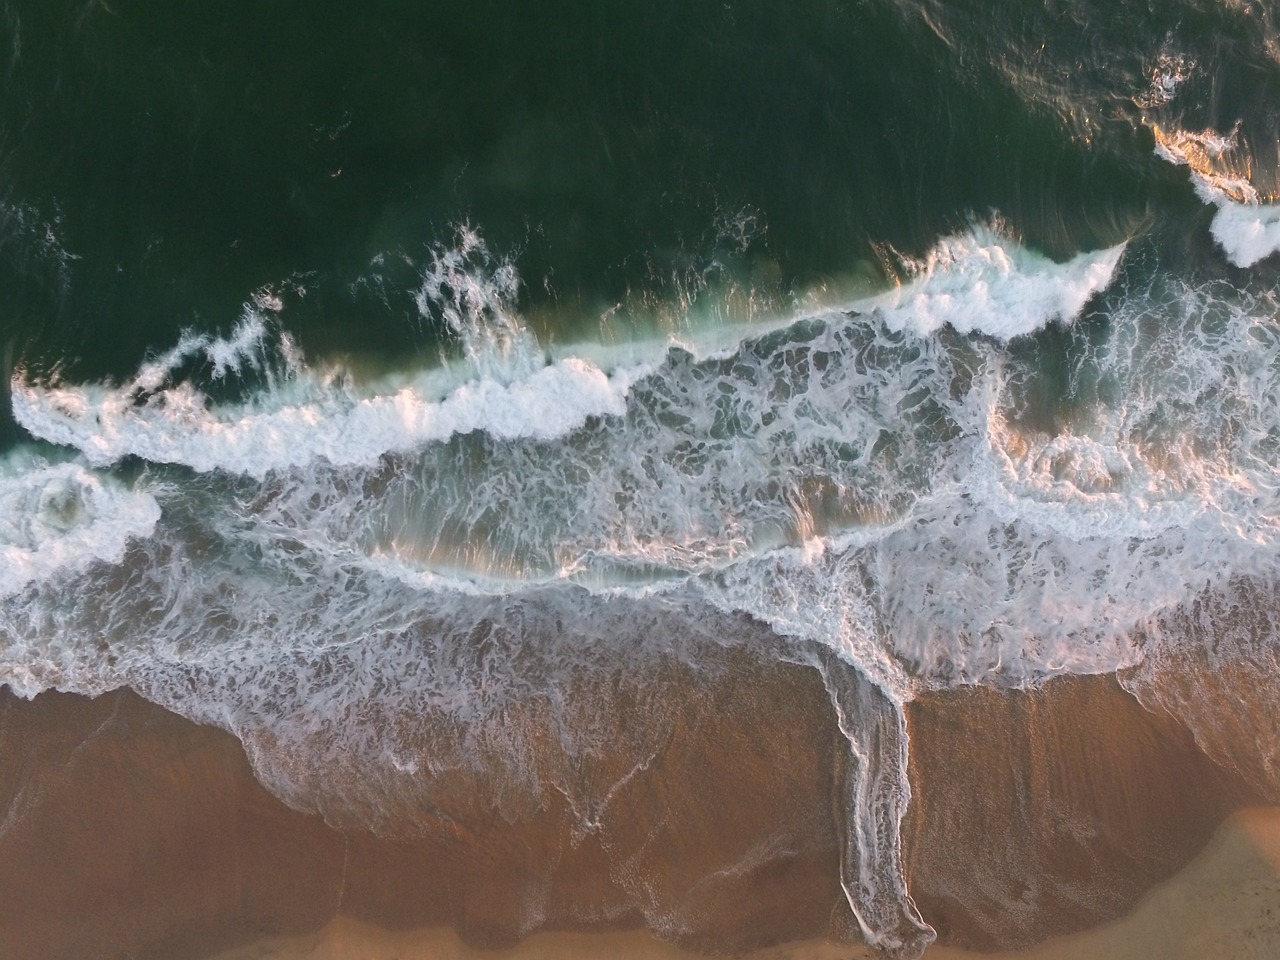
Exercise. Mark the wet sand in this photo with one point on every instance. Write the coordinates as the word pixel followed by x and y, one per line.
pixel 1050 811
pixel 129 831
pixel 1224 906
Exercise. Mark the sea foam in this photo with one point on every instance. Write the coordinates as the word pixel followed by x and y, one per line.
pixel 57 518
pixel 330 422
pixel 984 282
pixel 507 388
pixel 881 484
pixel 870 480
pixel 1245 227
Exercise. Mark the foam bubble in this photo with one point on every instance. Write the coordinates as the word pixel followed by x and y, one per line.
pixel 473 293
pixel 850 457
pixel 1166 74
pixel 1033 551
pixel 1247 232
pixel 506 387
pixel 976 282
pixel 1221 646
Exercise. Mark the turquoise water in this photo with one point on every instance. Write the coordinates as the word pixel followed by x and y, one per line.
pixel 385 360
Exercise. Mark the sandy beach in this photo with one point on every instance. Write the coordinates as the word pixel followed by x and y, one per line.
pixel 1064 822
pixel 1225 905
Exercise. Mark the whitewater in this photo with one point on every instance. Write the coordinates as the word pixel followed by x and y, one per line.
pixel 1000 469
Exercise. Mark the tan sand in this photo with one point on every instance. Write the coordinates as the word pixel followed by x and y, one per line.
pixel 1224 906
pixel 1050 811
pixel 130 832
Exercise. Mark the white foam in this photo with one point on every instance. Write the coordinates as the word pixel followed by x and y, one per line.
pixel 473 293
pixel 1030 554
pixel 310 418
pixel 1166 75
pixel 1225 641
pixel 855 481
pixel 1248 232
pixel 61 517
pixel 505 386
pixel 1246 228
pixel 985 283
pixel 853 458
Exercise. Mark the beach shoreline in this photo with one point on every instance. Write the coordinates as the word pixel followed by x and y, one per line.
pixel 153 839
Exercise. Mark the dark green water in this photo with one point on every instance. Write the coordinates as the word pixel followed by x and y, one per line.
pixel 181 156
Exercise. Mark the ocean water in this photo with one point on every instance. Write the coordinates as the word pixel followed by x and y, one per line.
pixel 361 361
